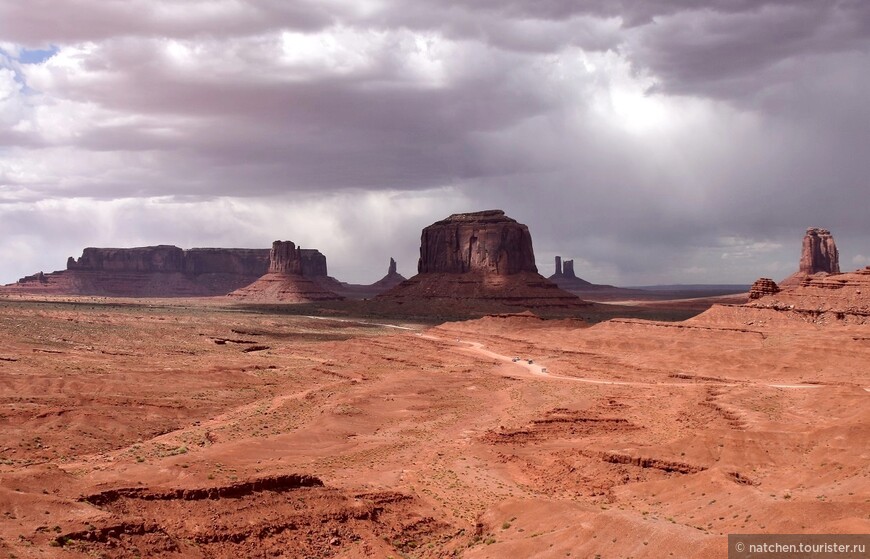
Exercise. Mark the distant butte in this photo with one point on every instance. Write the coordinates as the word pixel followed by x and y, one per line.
pixel 285 281
pixel 819 255
pixel 818 293
pixel 480 258
pixel 154 271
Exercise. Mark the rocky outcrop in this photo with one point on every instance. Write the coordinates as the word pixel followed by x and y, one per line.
pixel 286 281
pixel 392 279
pixel 565 278
pixel 171 259
pixel 820 300
pixel 38 277
pixel 763 287
pixel 487 242
pixel 241 261
pixel 480 260
pixel 313 263
pixel 154 271
pixel 161 258
pixel 285 258
pixel 819 255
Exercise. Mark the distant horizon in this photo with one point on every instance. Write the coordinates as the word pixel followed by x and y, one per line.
pixel 545 269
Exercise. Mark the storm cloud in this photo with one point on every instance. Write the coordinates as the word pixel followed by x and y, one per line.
pixel 653 141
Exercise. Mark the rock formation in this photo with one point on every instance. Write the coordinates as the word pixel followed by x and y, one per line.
pixel 313 263
pixel 392 279
pixel 285 258
pixel 155 271
pixel 819 299
pixel 819 255
pixel 763 287
pixel 487 242
pixel 565 278
pixel 285 281
pixel 479 260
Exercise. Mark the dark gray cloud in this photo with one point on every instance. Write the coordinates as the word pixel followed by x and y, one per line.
pixel 652 140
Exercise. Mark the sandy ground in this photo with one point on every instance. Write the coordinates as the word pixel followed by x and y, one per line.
pixel 192 430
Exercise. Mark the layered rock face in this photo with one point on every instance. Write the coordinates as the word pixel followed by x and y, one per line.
pixel 285 258
pixel 286 281
pixel 479 260
pixel 819 253
pixel 487 242
pixel 155 271
pixel 313 263
pixel 763 287
pixel 171 259
pixel 242 261
pixel 161 258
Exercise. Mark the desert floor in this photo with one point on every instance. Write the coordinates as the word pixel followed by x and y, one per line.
pixel 196 429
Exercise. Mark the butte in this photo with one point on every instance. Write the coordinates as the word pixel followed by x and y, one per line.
pixel 479 261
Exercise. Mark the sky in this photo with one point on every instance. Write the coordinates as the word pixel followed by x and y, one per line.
pixel 652 141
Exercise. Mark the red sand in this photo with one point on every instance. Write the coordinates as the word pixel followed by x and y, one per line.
pixel 191 430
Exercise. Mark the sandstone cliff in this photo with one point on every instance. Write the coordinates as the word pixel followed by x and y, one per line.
pixel 819 255
pixel 480 259
pixel 487 242
pixel 285 281
pixel 155 271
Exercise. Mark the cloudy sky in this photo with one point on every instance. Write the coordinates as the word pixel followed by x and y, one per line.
pixel 654 141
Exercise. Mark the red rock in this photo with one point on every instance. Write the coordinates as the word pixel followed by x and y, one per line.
pixel 156 271
pixel 763 287
pixel 822 299
pixel 819 255
pixel 285 281
pixel 488 242
pixel 481 259
pixel 285 258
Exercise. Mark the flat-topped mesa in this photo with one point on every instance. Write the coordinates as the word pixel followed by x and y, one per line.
pixel 819 253
pixel 160 258
pixel 243 261
pixel 568 269
pixel 154 271
pixel 478 262
pixel 487 242
pixel 763 287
